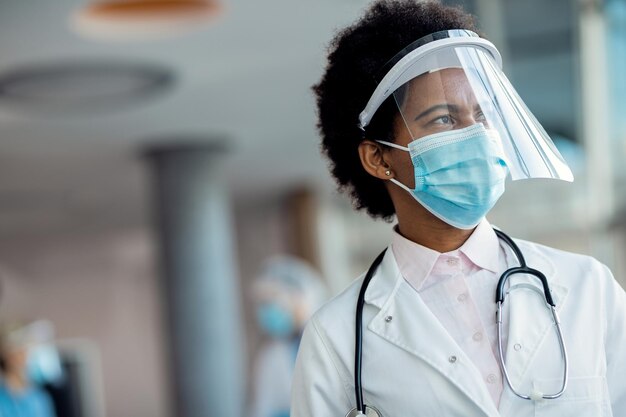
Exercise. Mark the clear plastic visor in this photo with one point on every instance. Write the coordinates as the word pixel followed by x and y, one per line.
pixel 459 86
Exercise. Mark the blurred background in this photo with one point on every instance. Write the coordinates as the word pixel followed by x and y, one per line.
pixel 157 156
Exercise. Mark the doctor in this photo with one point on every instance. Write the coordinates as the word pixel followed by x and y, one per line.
pixel 419 122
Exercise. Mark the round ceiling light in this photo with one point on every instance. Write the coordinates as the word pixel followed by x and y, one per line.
pixel 143 19
pixel 82 86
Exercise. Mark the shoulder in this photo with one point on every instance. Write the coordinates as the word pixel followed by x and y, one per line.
pixel 553 252
pixel 330 332
pixel 338 313
pixel 560 260
pixel 586 278
pixel 325 357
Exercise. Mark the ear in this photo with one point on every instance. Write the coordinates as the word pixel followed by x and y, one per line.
pixel 374 159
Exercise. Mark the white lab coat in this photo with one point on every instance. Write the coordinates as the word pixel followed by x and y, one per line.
pixel 409 366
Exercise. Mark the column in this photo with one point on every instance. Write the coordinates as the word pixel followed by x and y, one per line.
pixel 595 123
pixel 199 281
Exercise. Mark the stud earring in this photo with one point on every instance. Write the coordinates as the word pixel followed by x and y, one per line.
pixel 388 173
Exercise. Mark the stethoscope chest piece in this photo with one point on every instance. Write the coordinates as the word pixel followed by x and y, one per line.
pixel 369 412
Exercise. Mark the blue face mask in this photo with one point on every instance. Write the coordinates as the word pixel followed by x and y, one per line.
pixel 275 320
pixel 459 174
pixel 43 365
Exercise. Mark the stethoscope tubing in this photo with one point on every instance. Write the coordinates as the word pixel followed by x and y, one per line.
pixel 522 269
pixel 358 345
pixel 500 294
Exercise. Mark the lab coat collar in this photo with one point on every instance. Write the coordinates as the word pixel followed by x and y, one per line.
pixel 384 282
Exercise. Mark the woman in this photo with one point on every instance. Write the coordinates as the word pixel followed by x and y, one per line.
pixel 419 123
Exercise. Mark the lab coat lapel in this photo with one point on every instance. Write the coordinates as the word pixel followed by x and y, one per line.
pixel 530 321
pixel 416 330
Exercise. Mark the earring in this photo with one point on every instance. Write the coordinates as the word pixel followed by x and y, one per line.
pixel 388 173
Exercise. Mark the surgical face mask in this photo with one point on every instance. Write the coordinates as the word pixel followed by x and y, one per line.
pixel 44 365
pixel 275 320
pixel 459 174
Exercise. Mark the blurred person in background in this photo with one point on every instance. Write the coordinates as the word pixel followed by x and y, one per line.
pixel 419 123
pixel 27 361
pixel 285 294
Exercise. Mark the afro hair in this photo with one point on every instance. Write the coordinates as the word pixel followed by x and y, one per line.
pixel 356 55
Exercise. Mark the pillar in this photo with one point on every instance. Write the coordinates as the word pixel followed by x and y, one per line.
pixel 199 281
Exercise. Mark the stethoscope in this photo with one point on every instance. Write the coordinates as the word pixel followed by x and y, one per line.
pixel 370 411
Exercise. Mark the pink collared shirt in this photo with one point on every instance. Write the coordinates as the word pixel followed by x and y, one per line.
pixel 459 288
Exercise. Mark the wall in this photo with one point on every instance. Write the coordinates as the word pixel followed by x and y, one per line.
pixel 102 288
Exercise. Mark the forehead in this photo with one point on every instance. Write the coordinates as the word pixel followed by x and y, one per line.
pixel 442 86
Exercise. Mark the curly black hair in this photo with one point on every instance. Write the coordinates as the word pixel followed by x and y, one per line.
pixel 356 55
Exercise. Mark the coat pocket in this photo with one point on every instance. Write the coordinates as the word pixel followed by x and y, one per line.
pixel 583 397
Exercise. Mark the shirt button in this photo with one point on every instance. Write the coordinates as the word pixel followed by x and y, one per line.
pixel 478 336
pixel 452 359
pixel 452 261
pixel 517 347
pixel 491 378
pixel 462 297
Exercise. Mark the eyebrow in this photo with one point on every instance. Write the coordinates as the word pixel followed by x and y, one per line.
pixel 452 108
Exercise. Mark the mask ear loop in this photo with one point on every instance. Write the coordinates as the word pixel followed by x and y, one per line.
pixel 394 145
pixel 402 148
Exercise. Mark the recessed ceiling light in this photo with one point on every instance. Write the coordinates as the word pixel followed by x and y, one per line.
pixel 143 19
pixel 81 86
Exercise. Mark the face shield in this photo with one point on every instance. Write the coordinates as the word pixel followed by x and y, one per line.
pixel 453 80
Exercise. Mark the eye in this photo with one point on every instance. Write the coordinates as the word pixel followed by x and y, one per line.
pixel 480 117
pixel 446 119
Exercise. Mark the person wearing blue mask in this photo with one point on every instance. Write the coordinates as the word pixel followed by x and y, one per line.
pixel 454 318
pixel 285 294
pixel 20 394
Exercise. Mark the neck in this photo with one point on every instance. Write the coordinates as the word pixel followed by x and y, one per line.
pixel 429 231
pixel 440 239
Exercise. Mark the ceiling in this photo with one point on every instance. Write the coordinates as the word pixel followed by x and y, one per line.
pixel 245 79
